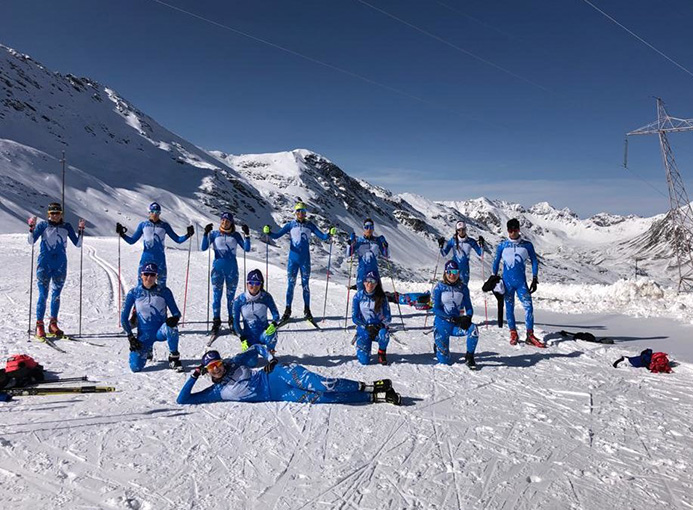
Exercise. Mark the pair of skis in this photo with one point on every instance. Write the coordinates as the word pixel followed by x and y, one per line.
pixel 39 388
pixel 49 340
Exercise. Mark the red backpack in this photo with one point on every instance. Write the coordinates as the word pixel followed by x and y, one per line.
pixel 660 363
pixel 21 370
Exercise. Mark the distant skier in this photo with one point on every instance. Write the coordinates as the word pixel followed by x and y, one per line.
pixel 154 232
pixel 299 256
pixel 514 252
pixel 235 381
pixel 150 302
pixel 453 310
pixel 252 307
pixel 367 249
pixel 225 268
pixel 461 246
pixel 52 263
pixel 370 311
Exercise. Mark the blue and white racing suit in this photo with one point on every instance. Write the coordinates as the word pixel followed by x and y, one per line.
pixel 461 249
pixel 225 267
pixel 451 301
pixel 253 311
pixel 514 254
pixel 367 250
pixel 363 314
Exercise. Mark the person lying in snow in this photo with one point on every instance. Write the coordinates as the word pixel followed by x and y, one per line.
pixel 235 381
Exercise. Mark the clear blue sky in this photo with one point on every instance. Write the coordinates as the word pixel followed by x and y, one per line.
pixel 539 114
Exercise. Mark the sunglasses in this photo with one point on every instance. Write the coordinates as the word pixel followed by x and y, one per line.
pixel 254 284
pixel 149 275
pixel 300 211
pixel 453 271
pixel 54 213
pixel 214 365
pixel 371 281
pixel 368 226
pixel 513 230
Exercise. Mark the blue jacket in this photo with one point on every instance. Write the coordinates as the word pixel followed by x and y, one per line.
pixel 367 250
pixel 299 249
pixel 253 310
pixel 224 244
pixel 54 242
pixel 150 305
pixel 363 310
pixel 450 300
pixel 514 255
pixel 461 249
pixel 154 235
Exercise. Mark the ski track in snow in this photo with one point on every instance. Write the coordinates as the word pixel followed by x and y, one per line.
pixel 553 428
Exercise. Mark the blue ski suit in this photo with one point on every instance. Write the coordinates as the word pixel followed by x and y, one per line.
pixel 367 250
pixel 461 248
pixel 514 254
pixel 154 235
pixel 287 383
pixel 299 256
pixel 363 314
pixel 150 305
pixel 52 262
pixel 225 267
pixel 450 301
pixel 253 310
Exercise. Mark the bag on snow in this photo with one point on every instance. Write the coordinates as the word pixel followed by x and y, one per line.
pixel 21 370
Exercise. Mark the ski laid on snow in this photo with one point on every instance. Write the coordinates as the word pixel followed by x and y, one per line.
pixel 38 390
pixel 49 342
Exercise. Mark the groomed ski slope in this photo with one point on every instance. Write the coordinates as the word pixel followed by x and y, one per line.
pixel 554 428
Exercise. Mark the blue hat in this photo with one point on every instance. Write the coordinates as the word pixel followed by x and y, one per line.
pixel 255 276
pixel 154 208
pixel 150 267
pixel 210 356
pixel 451 265
pixel 371 275
pixel 227 216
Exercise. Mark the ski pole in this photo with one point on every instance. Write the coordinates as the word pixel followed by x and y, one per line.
pixel 267 262
pixel 31 280
pixel 346 314
pixel 63 379
pixel 483 277
pixel 120 285
pixel 389 266
pixel 327 282
pixel 81 265
pixel 187 273
pixel 209 279
pixel 435 273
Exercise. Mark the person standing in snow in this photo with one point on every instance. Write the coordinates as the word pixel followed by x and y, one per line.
pixel 299 256
pixel 154 232
pixel 252 307
pixel 52 263
pixel 453 315
pixel 461 246
pixel 225 268
pixel 514 252
pixel 370 312
pixel 367 249
pixel 150 302
pixel 234 381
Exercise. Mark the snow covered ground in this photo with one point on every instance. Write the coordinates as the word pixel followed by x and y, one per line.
pixel 556 428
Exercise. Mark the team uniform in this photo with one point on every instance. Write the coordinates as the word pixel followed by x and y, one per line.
pixel 514 254
pixel 52 262
pixel 367 250
pixel 299 256
pixel 288 383
pixel 153 235
pixel 366 318
pixel 461 249
pixel 253 312
pixel 150 306
pixel 225 267
pixel 449 302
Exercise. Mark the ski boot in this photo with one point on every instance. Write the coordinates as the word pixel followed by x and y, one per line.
pixel 382 385
pixel 287 315
pixel 390 396
pixel 469 360
pixel 53 328
pixel 150 355
pixel 532 340
pixel 216 326
pixel 232 331
pixel 307 315
pixel 174 361
pixel 513 337
pixel 40 330
pixel 382 357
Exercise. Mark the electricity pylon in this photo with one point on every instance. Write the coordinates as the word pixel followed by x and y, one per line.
pixel 680 211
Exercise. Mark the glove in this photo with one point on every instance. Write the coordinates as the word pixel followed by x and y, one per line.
pixel 135 345
pixel 533 285
pixel 266 229
pixel 373 330
pixel 32 223
pixel 244 344
pixel 270 366
pixel 191 231
pixel 271 329
pixel 481 241
pixel 463 321
pixel 172 321
pixel 198 372
pixel 352 238
pixel 333 231
pixel 246 230
pixel 81 225
pixel 208 228
pixel 441 242
pixel 120 229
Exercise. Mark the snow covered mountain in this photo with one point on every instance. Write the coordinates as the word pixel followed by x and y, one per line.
pixel 119 159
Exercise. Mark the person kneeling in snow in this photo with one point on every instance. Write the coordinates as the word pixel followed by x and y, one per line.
pixel 150 301
pixel 453 310
pixel 371 314
pixel 235 381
